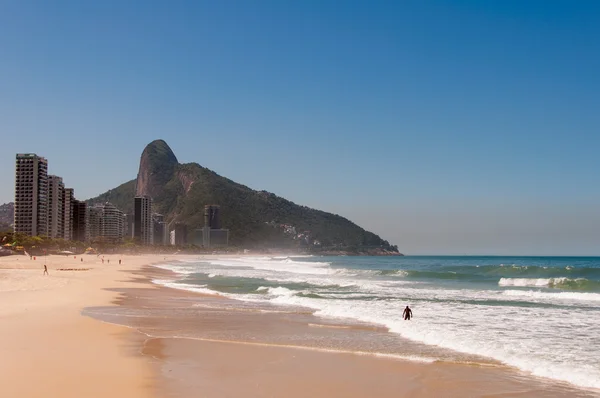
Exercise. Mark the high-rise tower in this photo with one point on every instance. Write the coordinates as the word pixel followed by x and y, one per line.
pixel 142 220
pixel 31 194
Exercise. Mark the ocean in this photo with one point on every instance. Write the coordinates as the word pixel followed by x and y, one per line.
pixel 538 314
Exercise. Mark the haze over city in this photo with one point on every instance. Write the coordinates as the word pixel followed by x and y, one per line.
pixel 444 127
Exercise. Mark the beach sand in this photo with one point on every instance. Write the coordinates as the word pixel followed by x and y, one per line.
pixel 48 349
pixel 53 344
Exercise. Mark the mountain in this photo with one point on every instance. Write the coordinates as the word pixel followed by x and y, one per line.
pixel 254 218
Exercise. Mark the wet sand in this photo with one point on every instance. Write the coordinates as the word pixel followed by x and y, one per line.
pixel 216 347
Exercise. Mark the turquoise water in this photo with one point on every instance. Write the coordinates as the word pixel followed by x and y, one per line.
pixel 539 314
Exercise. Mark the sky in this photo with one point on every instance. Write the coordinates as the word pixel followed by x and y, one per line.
pixel 447 127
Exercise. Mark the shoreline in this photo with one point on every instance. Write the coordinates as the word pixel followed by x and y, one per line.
pixel 240 363
pixel 176 342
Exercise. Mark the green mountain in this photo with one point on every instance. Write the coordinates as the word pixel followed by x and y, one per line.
pixel 254 218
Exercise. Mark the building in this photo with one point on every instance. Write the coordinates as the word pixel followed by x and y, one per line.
pixel 79 230
pixel 142 220
pixel 56 194
pixel 212 235
pixel 212 217
pixel 95 223
pixel 181 234
pixel 112 223
pixel 128 226
pixel 67 202
pixel 105 222
pixel 207 238
pixel 31 194
pixel 160 233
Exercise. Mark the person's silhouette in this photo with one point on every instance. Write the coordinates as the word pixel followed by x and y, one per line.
pixel 46 270
pixel 407 314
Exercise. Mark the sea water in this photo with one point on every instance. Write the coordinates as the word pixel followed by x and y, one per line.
pixel 539 314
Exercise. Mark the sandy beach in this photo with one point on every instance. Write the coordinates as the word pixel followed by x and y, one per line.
pixel 99 330
pixel 48 348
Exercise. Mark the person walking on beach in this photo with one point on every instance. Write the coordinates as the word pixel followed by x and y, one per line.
pixel 407 314
pixel 46 270
pixel 119 261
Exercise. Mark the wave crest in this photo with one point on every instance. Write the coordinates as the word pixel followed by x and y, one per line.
pixel 557 283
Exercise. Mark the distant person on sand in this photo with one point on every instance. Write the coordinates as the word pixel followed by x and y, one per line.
pixel 108 261
pixel 119 261
pixel 407 314
pixel 46 270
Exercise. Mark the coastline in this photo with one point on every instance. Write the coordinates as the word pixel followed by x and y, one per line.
pixel 188 342
pixel 209 343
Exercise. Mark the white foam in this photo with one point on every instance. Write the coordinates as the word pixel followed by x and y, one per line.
pixel 189 287
pixel 553 296
pixel 557 340
pixel 541 282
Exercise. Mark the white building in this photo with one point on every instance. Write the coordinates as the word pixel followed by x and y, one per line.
pixel 31 194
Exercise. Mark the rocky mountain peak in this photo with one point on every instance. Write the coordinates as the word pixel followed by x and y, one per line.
pixel 157 165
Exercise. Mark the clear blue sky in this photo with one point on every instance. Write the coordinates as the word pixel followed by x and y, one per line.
pixel 445 126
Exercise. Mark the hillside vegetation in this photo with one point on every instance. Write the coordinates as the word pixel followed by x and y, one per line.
pixel 254 218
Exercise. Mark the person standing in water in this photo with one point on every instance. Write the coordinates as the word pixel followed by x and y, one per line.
pixel 407 314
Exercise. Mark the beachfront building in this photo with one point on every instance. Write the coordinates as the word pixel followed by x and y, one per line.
pixel 160 232
pixel 212 216
pixel 67 212
pixel 112 223
pixel 56 189
pixel 181 234
pixel 142 220
pixel 94 223
pixel 211 235
pixel 31 195
pixel 79 217
pixel 128 226
pixel 105 222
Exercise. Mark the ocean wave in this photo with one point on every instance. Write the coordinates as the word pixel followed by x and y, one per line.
pixel 553 295
pixel 277 265
pixel 557 283
pixel 189 287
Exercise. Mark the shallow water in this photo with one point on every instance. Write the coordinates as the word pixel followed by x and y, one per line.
pixel 539 314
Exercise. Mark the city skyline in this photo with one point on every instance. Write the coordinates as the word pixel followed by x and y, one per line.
pixel 466 128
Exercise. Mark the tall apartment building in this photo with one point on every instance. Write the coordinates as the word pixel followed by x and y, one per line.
pixel 31 194
pixel 212 235
pixel 68 197
pixel 128 226
pixel 112 223
pixel 160 233
pixel 79 216
pixel 95 222
pixel 212 218
pixel 106 222
pixel 56 220
pixel 142 220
